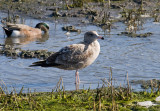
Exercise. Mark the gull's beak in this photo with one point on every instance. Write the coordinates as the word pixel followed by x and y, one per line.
pixel 100 37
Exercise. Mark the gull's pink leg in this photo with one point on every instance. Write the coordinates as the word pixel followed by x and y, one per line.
pixel 77 77
pixel 77 80
pixel 77 86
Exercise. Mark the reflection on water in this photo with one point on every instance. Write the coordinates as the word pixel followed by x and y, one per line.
pixel 25 40
pixel 137 56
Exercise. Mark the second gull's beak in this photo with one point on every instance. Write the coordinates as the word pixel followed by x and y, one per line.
pixel 100 37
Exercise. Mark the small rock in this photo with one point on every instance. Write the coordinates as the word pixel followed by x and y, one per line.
pixel 55 14
pixel 131 34
pixel 91 12
pixel 67 33
pixel 138 1
pixel 115 6
pixel 85 21
pixel 65 14
pixel 158 98
pixel 146 103
pixel 70 29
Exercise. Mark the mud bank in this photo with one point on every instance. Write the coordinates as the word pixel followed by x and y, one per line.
pixel 9 51
pixel 98 13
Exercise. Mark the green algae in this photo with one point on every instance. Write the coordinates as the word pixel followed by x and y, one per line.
pixel 103 98
pixel 132 34
pixel 80 3
pixel 70 29
pixel 71 100
pixel 9 51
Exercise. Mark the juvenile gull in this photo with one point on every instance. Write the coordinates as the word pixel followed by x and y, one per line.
pixel 75 56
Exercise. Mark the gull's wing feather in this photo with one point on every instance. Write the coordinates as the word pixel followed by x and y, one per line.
pixel 69 55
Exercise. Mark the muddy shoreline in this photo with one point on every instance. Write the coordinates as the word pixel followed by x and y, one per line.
pixel 132 13
pixel 93 13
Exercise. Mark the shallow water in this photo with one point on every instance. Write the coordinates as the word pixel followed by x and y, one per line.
pixel 137 56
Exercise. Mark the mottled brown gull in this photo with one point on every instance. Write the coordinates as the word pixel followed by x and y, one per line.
pixel 75 56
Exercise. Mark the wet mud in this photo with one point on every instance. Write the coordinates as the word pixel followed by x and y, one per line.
pixel 12 52
pixel 98 13
pixel 147 84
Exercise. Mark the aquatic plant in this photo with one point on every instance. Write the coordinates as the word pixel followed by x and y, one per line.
pixel 80 3
pixel 107 97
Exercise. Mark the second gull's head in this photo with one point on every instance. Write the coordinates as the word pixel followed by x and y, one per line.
pixel 91 36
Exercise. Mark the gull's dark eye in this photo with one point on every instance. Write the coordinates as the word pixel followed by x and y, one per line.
pixel 90 34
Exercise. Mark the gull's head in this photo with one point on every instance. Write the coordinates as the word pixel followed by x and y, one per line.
pixel 91 36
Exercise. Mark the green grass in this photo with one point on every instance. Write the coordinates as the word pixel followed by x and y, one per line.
pixel 106 98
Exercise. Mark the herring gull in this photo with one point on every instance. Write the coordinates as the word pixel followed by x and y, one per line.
pixel 75 56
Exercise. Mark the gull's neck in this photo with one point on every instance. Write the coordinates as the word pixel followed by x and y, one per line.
pixel 89 42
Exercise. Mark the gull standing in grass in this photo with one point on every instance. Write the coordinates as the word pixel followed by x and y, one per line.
pixel 75 56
